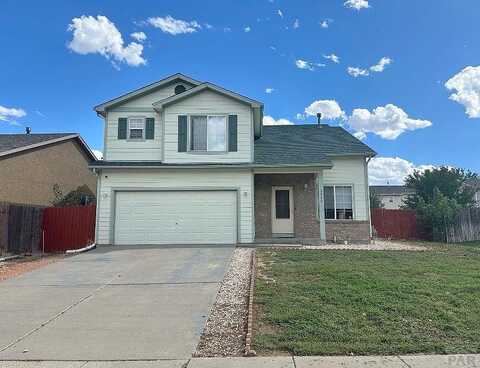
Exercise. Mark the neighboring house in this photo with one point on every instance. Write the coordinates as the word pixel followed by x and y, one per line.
pixel 31 164
pixel 188 162
pixel 391 196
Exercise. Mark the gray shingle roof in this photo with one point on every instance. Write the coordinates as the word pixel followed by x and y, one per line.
pixel 391 190
pixel 306 144
pixel 10 142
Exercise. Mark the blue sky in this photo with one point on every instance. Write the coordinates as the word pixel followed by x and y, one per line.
pixel 57 65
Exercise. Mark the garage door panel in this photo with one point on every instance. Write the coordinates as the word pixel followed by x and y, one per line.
pixel 175 217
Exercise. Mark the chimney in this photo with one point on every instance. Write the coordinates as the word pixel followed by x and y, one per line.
pixel 28 130
pixel 319 118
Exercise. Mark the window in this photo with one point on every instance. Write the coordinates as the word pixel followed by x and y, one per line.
pixel 282 204
pixel 208 133
pixel 338 201
pixel 136 128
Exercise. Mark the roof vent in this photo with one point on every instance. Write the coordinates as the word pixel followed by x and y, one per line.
pixel 319 119
pixel 28 130
pixel 179 88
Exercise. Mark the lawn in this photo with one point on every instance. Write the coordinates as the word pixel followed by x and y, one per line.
pixel 328 302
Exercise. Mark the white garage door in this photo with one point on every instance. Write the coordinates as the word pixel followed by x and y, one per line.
pixel 175 217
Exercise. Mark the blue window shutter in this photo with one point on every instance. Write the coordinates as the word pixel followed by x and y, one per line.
pixel 150 128
pixel 182 133
pixel 232 133
pixel 122 128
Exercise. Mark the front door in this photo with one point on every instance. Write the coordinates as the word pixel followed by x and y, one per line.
pixel 282 211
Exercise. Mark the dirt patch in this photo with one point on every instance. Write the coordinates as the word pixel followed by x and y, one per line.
pixel 17 267
pixel 224 333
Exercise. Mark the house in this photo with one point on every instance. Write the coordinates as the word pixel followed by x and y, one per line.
pixel 392 197
pixel 31 165
pixel 189 162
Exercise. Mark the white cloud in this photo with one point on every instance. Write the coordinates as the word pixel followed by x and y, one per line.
pixel 391 170
pixel 268 120
pixel 325 23
pixel 9 114
pixel 269 90
pixel 296 24
pixel 98 35
pixel 227 29
pixel 300 116
pixel 208 26
pixel 332 57
pixel 98 154
pixel 387 121
pixel 330 109
pixel 467 86
pixel 247 29
pixel 357 72
pixel 280 13
pixel 174 26
pixel 139 36
pixel 380 66
pixel 307 65
pixel 377 68
pixel 356 4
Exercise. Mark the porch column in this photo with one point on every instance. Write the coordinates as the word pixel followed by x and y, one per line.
pixel 320 206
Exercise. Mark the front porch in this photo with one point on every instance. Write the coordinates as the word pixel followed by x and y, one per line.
pixel 289 208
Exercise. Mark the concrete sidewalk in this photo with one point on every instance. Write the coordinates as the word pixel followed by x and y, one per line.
pixel 408 361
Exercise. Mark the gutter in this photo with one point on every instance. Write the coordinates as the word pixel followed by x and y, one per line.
pixel 239 166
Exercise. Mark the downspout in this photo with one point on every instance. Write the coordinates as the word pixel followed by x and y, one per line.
pixel 366 162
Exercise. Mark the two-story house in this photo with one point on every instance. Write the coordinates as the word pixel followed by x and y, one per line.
pixel 188 162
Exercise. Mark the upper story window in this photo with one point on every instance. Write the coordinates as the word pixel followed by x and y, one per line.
pixel 338 201
pixel 208 133
pixel 136 128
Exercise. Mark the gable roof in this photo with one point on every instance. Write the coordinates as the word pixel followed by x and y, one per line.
pixel 202 87
pixel 15 143
pixel 100 109
pixel 306 144
pixel 391 189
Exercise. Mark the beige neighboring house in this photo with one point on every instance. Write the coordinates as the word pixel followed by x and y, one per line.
pixel 31 164
pixel 391 196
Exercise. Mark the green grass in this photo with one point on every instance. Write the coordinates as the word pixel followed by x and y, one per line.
pixel 360 302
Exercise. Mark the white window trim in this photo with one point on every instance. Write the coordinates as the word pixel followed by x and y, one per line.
pixel 144 120
pixel 189 135
pixel 335 201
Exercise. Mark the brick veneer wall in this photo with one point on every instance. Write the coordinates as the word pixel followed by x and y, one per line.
pixel 306 224
pixel 351 231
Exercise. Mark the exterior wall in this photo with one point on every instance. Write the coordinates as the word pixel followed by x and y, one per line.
pixel 29 177
pixel 351 171
pixel 392 202
pixel 347 230
pixel 109 180
pixel 209 102
pixel 306 223
pixel 155 96
pixel 126 150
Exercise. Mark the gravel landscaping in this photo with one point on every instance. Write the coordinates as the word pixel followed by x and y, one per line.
pixel 224 333
pixel 16 267
pixel 375 245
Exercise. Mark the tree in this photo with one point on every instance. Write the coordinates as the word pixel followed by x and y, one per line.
pixel 78 197
pixel 375 201
pixel 439 194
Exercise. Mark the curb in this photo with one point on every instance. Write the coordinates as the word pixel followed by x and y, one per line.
pixel 9 258
pixel 81 250
pixel 248 338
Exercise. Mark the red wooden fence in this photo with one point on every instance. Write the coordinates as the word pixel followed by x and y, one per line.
pixel 66 228
pixel 395 224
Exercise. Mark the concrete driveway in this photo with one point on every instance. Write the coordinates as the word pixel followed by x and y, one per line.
pixel 113 303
